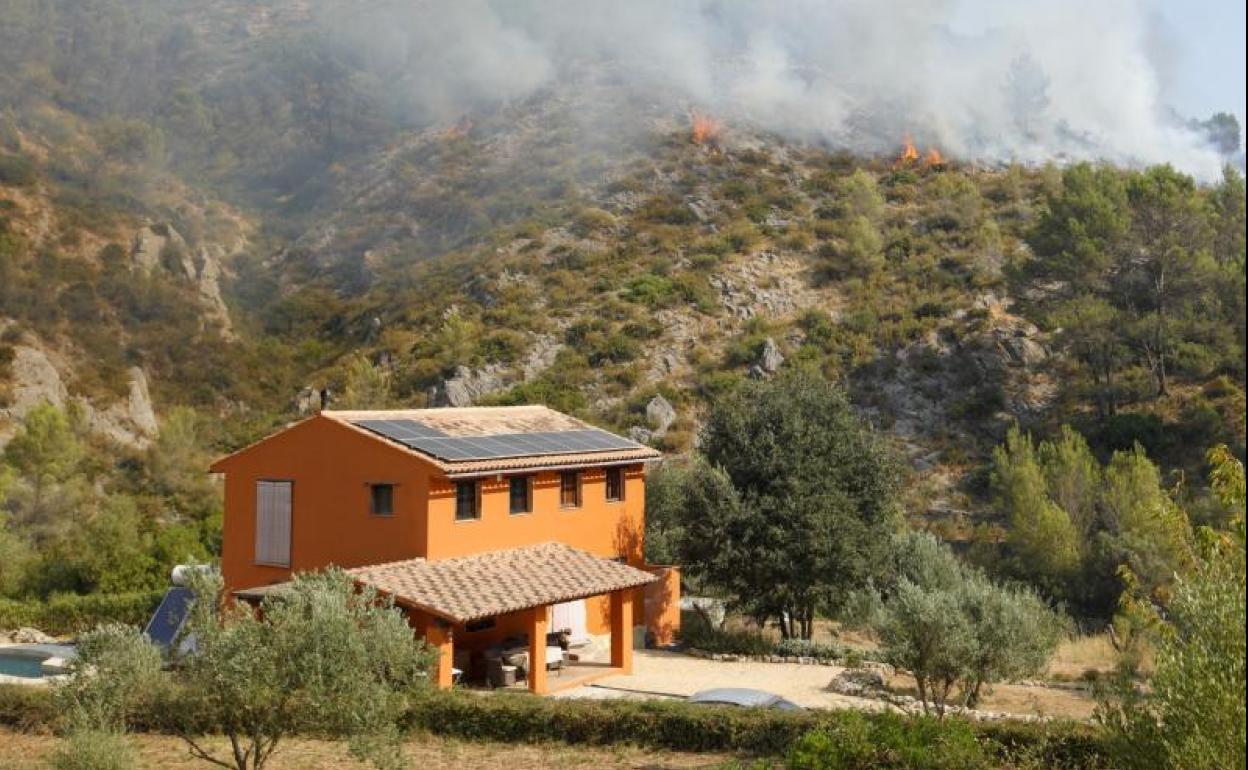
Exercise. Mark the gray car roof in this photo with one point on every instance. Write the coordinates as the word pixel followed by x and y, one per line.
pixel 741 696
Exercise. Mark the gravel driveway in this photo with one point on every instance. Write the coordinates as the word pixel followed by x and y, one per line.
pixel 659 674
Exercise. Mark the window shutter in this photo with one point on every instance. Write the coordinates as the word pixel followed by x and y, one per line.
pixel 273 506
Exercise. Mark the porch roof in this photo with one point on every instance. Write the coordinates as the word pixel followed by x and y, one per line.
pixel 498 582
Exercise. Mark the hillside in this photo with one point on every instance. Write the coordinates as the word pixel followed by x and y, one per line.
pixel 222 213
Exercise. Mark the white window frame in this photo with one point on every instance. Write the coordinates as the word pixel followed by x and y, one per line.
pixel 272 522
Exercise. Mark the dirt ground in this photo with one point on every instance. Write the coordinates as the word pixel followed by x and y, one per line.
pixel 30 752
pixel 658 674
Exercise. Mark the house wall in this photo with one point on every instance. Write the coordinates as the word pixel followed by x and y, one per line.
pixel 608 529
pixel 331 466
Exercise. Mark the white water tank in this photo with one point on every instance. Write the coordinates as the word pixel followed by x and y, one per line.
pixel 181 574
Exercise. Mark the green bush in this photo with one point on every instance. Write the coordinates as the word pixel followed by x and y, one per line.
pixel 856 742
pixel 673 725
pixel 71 613
pixel 697 632
pixel 94 750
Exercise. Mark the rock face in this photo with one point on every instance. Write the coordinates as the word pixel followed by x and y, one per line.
pixel 769 361
pixel 660 414
pixel 160 247
pixel 37 378
pixel 467 385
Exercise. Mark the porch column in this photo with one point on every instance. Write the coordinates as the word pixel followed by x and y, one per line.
pixel 537 650
pixel 438 635
pixel 622 630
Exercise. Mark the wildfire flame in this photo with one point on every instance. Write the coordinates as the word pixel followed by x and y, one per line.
pixel 910 156
pixel 909 153
pixel 704 129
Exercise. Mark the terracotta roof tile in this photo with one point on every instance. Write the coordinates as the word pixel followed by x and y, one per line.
pixel 497 582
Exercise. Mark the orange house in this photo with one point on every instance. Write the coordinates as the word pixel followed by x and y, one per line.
pixel 486 525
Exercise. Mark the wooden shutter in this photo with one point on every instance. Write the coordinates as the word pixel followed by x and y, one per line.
pixel 273 504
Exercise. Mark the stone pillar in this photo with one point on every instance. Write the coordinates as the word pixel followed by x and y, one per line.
pixel 438 635
pixel 622 630
pixel 537 651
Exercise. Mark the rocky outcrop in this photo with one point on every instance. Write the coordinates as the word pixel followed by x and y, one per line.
pixel 660 414
pixel 131 422
pixel 467 386
pixel 159 246
pixel 770 359
pixel 38 376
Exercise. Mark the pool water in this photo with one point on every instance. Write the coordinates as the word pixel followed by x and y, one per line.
pixel 23 666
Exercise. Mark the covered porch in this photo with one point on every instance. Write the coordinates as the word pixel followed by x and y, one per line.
pixel 492 612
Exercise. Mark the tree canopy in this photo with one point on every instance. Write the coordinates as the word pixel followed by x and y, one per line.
pixel 791 501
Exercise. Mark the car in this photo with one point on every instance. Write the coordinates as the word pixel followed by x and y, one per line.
pixel 745 698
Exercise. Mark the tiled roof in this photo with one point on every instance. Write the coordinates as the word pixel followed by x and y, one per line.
pixel 497 582
pixel 471 420
pixel 495 420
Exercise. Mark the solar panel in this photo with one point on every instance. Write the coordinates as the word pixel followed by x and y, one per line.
pixel 168 618
pixel 423 438
pixel 400 430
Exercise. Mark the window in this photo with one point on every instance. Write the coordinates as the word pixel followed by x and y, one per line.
pixel 521 496
pixel 273 523
pixel 381 499
pixel 570 489
pixel 615 485
pixel 467 506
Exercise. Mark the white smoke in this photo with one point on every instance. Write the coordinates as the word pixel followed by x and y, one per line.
pixel 980 79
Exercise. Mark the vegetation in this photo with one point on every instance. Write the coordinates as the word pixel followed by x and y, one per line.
pixel 950 626
pixel 82 542
pixel 790 502
pixel 1193 714
pixel 320 658
pixel 1071 522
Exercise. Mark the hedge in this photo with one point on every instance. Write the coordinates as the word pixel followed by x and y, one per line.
pixel 672 725
pixel 71 613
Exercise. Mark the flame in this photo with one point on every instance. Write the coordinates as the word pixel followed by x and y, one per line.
pixel 909 153
pixel 704 128
pixel 910 156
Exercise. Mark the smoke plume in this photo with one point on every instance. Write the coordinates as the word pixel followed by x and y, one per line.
pixel 982 80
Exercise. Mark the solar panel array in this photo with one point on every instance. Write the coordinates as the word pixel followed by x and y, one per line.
pixel 422 438
pixel 167 621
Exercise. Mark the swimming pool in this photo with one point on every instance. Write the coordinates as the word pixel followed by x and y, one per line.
pixel 23 665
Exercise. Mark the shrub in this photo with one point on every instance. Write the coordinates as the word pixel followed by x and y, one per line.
pixel 71 613
pixel 94 750
pixel 672 725
pixel 702 635
pixel 855 742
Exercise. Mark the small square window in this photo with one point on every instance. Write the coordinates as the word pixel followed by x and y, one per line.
pixel 467 503
pixel 521 494
pixel 615 485
pixel 570 489
pixel 381 499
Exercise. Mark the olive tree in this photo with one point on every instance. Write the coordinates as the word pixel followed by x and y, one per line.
pixel 951 627
pixel 320 657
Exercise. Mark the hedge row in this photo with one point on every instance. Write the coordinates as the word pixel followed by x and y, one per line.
pixel 903 741
pixel 71 613
pixel 681 726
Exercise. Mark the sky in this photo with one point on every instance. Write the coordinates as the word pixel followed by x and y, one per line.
pixel 1198 46
pixel 1209 60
